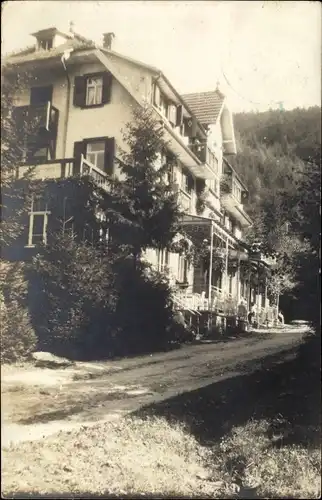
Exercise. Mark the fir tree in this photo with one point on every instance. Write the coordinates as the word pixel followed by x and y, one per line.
pixel 141 207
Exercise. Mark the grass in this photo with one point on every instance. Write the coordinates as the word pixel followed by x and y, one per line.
pixel 255 435
pixel 151 456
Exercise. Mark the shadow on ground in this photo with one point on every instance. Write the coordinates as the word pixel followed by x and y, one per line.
pixel 75 496
pixel 285 390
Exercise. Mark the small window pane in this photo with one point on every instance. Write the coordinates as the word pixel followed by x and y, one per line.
pixel 95 146
pixel 90 98
pixel 100 161
pixel 94 91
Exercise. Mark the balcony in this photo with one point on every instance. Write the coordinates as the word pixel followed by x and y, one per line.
pixel 231 199
pixel 36 119
pixel 63 169
pixel 206 156
pixel 185 201
pixel 179 145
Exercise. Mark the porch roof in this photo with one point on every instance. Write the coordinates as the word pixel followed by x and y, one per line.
pixel 201 227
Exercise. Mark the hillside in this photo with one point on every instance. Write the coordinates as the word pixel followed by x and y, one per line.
pixel 273 146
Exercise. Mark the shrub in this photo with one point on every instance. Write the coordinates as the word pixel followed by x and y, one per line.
pixel 18 338
pixel 77 284
pixel 143 316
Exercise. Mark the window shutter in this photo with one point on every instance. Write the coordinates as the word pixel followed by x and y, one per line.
pixel 172 114
pixel 190 183
pixel 79 91
pixel 107 87
pixel 156 97
pixel 179 116
pixel 194 127
pixel 79 149
pixel 109 155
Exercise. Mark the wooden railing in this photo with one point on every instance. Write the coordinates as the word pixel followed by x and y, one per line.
pixel 185 201
pixel 99 177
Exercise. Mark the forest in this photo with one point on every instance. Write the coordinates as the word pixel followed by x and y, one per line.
pixel 279 159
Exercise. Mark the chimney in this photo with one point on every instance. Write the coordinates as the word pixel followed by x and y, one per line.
pixel 71 28
pixel 107 40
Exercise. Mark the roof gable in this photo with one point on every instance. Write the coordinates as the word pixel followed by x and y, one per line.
pixel 207 106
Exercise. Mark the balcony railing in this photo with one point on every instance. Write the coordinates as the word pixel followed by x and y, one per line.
pixel 99 177
pixel 204 154
pixel 63 169
pixel 184 201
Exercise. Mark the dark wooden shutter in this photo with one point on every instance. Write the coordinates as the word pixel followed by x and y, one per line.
pixel 179 116
pixel 107 87
pixel 191 183
pixel 109 155
pixel 194 127
pixel 79 91
pixel 190 127
pixel 79 149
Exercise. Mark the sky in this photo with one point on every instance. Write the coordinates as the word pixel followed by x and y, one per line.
pixel 263 54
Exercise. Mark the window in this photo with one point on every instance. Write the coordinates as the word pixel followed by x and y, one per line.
pixel 94 90
pixel 162 259
pixel 99 151
pixel 237 191
pixel 228 223
pixel 214 186
pixel 95 153
pixel 38 221
pixel 41 95
pixel 183 269
pixel 164 106
pixel 186 182
pixel 45 44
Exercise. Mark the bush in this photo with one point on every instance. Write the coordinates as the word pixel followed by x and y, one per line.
pixel 18 338
pixel 143 316
pixel 76 283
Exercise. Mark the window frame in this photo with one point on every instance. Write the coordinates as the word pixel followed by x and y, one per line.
pixel 163 259
pixel 89 77
pixel 183 269
pixel 95 141
pixel 31 215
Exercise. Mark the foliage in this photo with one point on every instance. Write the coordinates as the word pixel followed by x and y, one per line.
pixel 18 338
pixel 78 281
pixel 225 184
pixel 279 156
pixel 12 147
pixel 201 196
pixel 143 316
pixel 142 208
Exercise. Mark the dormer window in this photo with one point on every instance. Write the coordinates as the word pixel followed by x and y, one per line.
pixel 45 44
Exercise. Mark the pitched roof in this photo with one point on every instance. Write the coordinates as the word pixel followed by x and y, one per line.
pixel 30 53
pixel 205 105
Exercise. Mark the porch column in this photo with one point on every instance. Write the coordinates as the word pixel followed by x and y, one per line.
pixel 210 261
pixel 258 294
pixel 238 277
pixel 225 287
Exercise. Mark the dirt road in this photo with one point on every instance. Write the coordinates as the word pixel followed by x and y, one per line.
pixel 38 402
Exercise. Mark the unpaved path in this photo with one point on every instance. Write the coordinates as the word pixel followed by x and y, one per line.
pixel 38 402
